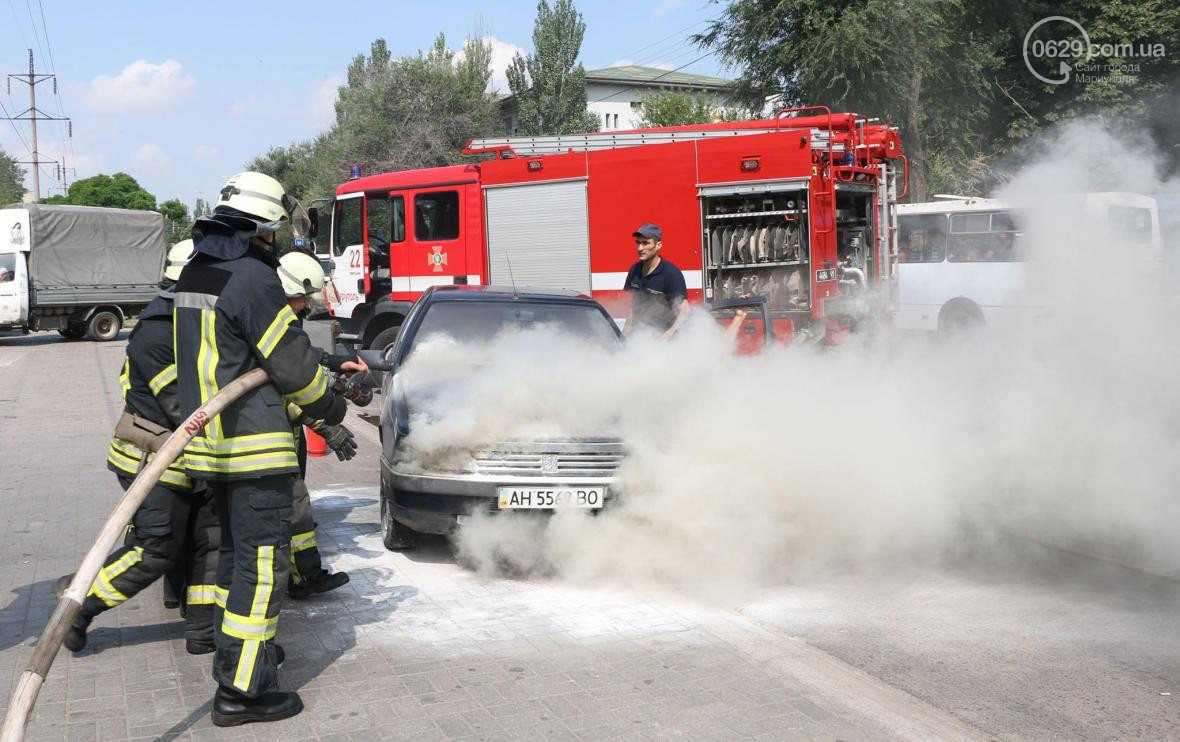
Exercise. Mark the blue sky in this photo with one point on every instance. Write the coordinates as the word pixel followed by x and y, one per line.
pixel 181 95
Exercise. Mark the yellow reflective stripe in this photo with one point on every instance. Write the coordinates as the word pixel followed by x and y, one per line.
pixel 220 595
pixel 240 444
pixel 125 377
pixel 303 541
pixel 274 333
pixel 266 581
pixel 255 628
pixel 127 458
pixel 246 663
pixel 201 595
pixel 255 462
pixel 207 358
pixel 313 391
pixel 104 588
pixel 294 412
pixel 163 379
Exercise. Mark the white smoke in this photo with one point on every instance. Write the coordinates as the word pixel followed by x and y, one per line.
pixel 748 470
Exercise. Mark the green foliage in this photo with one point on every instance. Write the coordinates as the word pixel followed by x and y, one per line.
pixel 118 191
pixel 549 86
pixel 677 108
pixel 12 180
pixel 177 225
pixel 393 113
pixel 950 73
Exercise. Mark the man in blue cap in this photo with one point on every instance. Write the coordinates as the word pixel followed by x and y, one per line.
pixel 658 294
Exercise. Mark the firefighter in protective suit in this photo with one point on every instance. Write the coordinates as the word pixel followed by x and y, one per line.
pixel 231 316
pixel 302 278
pixel 157 536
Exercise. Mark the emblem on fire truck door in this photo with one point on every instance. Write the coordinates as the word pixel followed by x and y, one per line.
pixel 437 259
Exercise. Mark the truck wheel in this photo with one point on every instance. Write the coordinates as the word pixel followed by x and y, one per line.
pixel 105 325
pixel 73 331
pixel 394 535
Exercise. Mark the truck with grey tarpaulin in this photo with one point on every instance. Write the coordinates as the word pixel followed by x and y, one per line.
pixel 81 270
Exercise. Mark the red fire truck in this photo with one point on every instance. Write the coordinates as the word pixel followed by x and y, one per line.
pixel 798 208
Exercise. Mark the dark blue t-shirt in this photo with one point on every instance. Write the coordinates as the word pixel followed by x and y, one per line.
pixel 656 296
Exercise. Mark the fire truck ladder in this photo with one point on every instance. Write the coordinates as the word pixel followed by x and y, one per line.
pixel 552 145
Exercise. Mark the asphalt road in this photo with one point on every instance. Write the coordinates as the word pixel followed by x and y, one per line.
pixel 1040 644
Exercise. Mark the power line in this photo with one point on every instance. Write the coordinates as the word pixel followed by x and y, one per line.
pixel 660 41
pixel 67 141
pixel 33 25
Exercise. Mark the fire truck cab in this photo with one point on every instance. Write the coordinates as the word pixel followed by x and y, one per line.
pixel 799 209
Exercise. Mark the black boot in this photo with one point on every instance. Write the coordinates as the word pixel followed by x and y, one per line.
pixel 193 646
pixel 231 708
pixel 75 639
pixel 323 582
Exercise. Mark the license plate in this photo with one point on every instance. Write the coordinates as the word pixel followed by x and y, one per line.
pixel 550 498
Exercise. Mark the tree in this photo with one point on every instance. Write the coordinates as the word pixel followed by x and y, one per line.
pixel 677 108
pixel 394 114
pixel 921 64
pixel 177 225
pixel 549 86
pixel 12 180
pixel 119 191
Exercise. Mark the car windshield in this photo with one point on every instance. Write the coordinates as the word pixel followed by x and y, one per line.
pixel 477 322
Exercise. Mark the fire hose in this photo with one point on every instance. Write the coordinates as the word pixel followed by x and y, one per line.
pixel 31 680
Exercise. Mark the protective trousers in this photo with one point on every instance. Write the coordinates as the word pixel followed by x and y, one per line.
pixel 154 544
pixel 255 517
pixel 306 564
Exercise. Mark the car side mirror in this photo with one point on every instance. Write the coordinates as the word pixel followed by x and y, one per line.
pixel 313 219
pixel 375 360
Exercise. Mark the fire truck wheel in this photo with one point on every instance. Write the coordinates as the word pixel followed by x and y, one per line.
pixel 394 535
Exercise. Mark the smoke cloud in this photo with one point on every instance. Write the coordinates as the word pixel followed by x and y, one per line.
pixel 1059 425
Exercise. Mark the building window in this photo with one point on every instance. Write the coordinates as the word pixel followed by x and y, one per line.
pixel 616 121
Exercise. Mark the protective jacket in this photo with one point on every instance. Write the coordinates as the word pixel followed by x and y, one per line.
pixel 149 391
pixel 231 316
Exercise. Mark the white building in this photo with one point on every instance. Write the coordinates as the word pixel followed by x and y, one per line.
pixel 615 94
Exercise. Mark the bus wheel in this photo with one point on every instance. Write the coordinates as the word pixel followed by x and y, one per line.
pixel 958 318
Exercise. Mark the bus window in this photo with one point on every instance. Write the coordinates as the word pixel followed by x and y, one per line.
pixel 921 238
pixel 1131 225
pixel 436 216
pixel 983 238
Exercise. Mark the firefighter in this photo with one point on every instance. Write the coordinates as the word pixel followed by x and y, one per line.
pixel 303 283
pixel 657 288
pixel 156 539
pixel 231 316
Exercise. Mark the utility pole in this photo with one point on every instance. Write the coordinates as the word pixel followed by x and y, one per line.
pixel 63 174
pixel 32 114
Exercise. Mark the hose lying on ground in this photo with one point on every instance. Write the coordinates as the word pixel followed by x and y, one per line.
pixel 29 685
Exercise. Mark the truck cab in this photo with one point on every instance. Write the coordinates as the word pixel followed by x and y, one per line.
pixel 14 270
pixel 391 237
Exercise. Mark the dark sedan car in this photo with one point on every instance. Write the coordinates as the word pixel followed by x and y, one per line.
pixel 533 474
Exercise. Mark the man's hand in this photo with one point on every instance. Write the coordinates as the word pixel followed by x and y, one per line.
pixel 358 366
pixel 341 440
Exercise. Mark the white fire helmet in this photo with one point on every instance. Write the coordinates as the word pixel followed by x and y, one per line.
pixel 178 257
pixel 258 195
pixel 302 275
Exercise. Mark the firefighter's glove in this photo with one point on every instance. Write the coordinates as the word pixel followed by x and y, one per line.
pixel 341 440
pixel 360 392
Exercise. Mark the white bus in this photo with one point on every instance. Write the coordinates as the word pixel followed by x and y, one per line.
pixel 961 262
